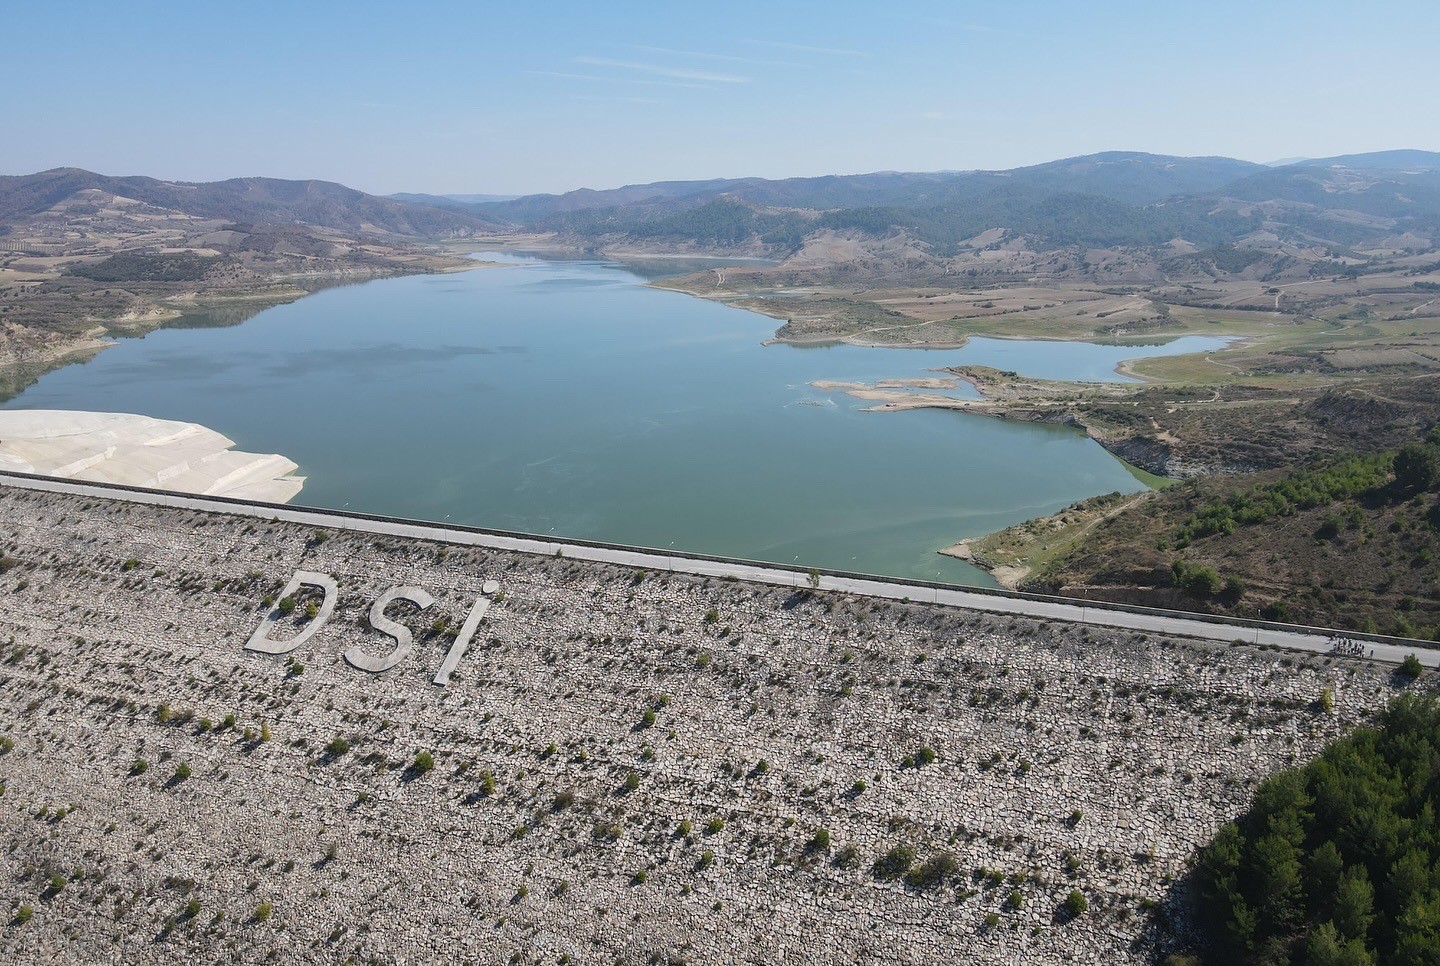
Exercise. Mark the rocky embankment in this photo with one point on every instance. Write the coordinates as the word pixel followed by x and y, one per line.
pixel 624 766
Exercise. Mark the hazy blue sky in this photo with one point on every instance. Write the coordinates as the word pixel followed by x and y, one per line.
pixel 522 97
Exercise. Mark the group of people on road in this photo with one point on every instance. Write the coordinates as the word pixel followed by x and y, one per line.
pixel 1347 647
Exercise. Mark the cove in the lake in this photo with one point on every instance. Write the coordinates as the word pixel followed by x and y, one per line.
pixel 567 398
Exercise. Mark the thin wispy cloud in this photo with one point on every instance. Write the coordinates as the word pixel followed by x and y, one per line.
pixel 704 55
pixel 681 73
pixel 604 79
pixel 807 48
pixel 688 53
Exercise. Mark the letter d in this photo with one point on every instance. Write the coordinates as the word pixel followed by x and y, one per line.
pixel 260 640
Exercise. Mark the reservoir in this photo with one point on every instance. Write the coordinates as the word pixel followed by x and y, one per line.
pixel 566 398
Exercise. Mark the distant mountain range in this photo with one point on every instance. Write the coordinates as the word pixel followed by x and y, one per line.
pixel 321 204
pixel 1130 177
pixel 1117 198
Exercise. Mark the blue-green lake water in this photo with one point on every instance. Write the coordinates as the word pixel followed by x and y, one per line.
pixel 567 398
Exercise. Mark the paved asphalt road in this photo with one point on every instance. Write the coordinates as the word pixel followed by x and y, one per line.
pixel 1150 622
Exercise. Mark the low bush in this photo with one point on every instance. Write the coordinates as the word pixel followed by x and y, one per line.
pixel 932 872
pixel 894 863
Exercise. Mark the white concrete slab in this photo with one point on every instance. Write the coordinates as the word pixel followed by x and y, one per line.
pixel 140 451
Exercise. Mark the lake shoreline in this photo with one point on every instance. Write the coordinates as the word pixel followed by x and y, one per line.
pixel 21 368
pixel 752 424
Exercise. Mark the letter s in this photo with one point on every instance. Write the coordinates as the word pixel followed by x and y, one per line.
pixel 359 659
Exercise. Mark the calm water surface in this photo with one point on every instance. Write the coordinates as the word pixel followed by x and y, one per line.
pixel 566 398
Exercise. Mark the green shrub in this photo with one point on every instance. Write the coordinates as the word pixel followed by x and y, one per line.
pixel 182 771
pixel 932 871
pixel 820 841
pixel 1075 904
pixel 23 914
pixel 1196 580
pixel 336 747
pixel 57 882
pixel 715 826
pixel 894 863
pixel 632 781
pixel 424 761
pixel 287 606
pixel 1411 667
pixel 139 766
pixel 262 911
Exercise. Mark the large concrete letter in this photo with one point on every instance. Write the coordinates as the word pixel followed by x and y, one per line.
pixel 467 631
pixel 260 640
pixel 358 658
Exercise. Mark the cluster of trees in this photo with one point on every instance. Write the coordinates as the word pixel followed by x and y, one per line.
pixel 1417 465
pixel 1227 258
pixel 1301 490
pixel 1203 582
pixel 149 267
pixel 1336 862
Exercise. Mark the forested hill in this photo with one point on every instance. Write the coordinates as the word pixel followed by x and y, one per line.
pixel 1131 177
pixel 1102 200
pixel 322 204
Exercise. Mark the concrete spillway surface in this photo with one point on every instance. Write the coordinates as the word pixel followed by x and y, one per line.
pixel 141 451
